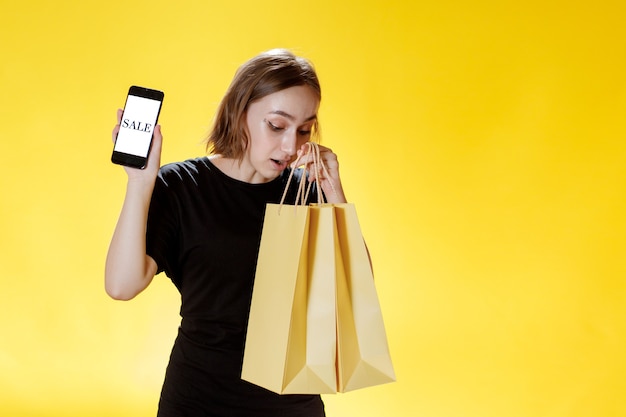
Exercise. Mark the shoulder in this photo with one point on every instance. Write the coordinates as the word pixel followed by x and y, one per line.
pixel 187 171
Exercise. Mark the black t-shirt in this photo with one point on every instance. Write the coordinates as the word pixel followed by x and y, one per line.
pixel 203 231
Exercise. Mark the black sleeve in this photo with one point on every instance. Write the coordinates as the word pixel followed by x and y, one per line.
pixel 162 240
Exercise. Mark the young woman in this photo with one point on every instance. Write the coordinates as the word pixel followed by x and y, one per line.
pixel 200 222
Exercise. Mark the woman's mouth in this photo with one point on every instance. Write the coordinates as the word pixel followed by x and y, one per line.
pixel 279 164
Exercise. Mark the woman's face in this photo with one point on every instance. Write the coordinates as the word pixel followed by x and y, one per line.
pixel 278 125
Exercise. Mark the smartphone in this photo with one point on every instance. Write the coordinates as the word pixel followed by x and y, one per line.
pixel 134 139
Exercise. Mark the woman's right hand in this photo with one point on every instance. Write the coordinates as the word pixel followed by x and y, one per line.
pixel 151 169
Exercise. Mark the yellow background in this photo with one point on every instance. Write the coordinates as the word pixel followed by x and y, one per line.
pixel 482 143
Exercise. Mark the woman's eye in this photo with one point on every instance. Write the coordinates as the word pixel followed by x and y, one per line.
pixel 273 126
pixel 304 132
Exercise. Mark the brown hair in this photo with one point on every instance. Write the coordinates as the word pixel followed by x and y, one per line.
pixel 266 73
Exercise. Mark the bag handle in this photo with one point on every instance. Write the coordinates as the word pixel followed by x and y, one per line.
pixel 317 165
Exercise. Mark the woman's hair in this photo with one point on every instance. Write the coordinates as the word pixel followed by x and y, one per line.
pixel 262 75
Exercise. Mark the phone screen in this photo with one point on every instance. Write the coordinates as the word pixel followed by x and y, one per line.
pixel 140 116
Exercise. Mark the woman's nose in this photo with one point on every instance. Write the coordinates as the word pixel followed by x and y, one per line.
pixel 289 143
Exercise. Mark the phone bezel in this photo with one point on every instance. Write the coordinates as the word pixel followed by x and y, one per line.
pixel 130 160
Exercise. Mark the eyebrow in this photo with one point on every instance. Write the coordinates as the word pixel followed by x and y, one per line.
pixel 290 117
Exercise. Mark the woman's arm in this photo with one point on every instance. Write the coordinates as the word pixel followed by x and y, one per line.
pixel 129 270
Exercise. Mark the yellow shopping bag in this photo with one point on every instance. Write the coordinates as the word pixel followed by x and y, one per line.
pixel 363 354
pixel 291 338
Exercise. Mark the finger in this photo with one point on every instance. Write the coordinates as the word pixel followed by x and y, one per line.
pixel 154 160
pixel 116 129
pixel 324 149
pixel 331 163
pixel 317 171
pixel 157 137
pixel 302 158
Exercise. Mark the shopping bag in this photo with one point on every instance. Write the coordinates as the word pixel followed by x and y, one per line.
pixel 363 353
pixel 291 338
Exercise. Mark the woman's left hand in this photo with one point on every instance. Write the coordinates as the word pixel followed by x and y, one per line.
pixel 329 178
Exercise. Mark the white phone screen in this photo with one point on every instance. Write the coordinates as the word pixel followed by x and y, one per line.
pixel 137 126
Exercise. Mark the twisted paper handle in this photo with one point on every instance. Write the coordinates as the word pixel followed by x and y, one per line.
pixel 317 165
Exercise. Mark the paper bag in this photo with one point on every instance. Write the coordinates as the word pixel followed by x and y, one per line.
pixel 291 339
pixel 363 354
